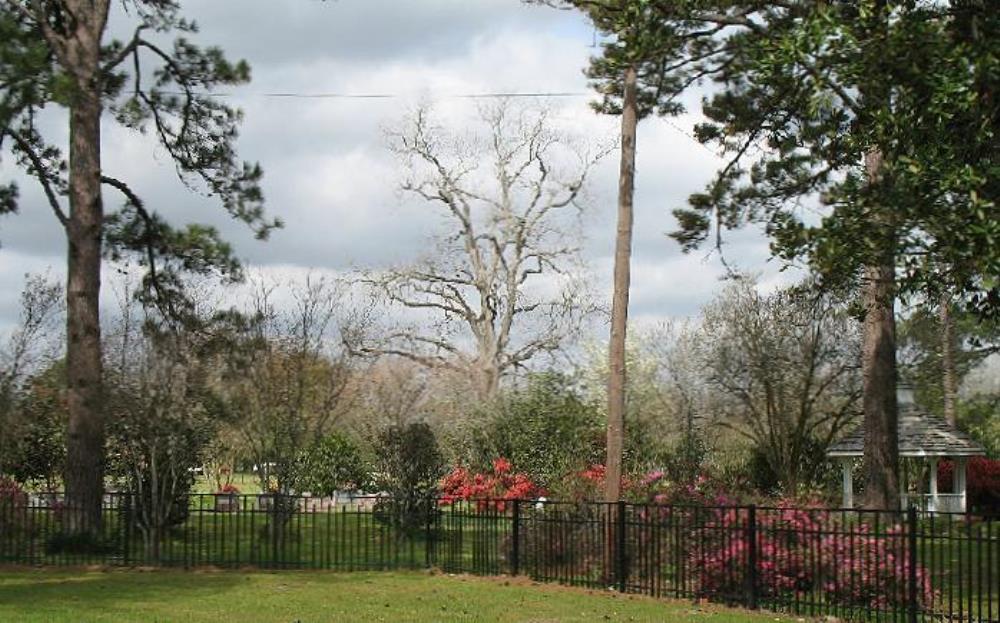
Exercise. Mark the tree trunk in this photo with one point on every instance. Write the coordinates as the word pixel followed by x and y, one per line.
pixel 949 378
pixel 619 306
pixel 84 475
pixel 881 446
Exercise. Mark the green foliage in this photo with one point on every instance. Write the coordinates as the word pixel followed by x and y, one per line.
pixel 36 449
pixel 545 429
pixel 807 91
pixel 686 460
pixel 163 413
pixel 334 463
pixel 166 91
pixel 980 417
pixel 409 468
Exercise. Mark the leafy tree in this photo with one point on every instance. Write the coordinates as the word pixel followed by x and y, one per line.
pixel 293 384
pixel 36 449
pixel 164 407
pixel 408 467
pixel 980 416
pixel 545 429
pixel 32 400
pixel 55 54
pixel 923 346
pixel 653 51
pixel 880 112
pixel 334 463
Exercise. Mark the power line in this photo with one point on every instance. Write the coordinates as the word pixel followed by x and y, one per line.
pixel 484 95
pixel 291 95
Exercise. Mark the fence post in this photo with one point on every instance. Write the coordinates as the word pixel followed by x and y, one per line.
pixel 515 537
pixel 911 538
pixel 621 558
pixel 429 534
pixel 752 556
pixel 126 517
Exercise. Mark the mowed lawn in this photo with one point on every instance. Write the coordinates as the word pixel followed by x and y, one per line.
pixel 84 596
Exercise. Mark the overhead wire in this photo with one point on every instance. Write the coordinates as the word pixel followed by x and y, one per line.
pixel 483 95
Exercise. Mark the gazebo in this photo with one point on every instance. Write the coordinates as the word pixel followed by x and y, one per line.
pixel 921 436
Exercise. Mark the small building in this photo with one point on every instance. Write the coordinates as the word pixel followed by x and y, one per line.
pixel 921 436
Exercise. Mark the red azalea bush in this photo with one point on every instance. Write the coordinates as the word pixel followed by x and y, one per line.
pixel 982 483
pixel 489 490
pixel 805 551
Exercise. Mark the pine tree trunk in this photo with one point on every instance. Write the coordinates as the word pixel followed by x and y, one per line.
pixel 881 446
pixel 84 474
pixel 949 377
pixel 619 306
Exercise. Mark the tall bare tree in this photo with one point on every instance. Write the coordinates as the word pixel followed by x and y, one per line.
pixel 503 284
pixel 787 365
pixel 295 381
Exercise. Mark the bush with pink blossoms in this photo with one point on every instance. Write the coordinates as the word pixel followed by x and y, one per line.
pixel 806 552
pixel 13 501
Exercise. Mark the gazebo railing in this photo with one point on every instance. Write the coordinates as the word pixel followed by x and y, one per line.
pixel 941 503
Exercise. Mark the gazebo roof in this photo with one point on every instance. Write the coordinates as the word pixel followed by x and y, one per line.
pixel 920 434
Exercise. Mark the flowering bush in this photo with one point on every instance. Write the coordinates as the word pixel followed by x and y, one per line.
pixel 488 490
pixel 12 499
pixel 805 551
pixel 656 488
pixel 228 489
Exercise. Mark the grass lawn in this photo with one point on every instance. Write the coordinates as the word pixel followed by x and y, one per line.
pixel 246 482
pixel 85 596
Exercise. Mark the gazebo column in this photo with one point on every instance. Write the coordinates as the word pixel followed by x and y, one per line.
pixel 958 481
pixel 846 465
pixel 932 505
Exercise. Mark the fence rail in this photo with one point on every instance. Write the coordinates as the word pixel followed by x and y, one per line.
pixel 858 565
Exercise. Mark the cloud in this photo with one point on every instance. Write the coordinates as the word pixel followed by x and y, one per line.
pixel 328 173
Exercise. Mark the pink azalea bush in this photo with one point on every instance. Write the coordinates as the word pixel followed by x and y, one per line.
pixel 805 551
pixel 12 500
pixel 488 490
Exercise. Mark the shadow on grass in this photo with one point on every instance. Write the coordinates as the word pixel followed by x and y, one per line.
pixel 45 589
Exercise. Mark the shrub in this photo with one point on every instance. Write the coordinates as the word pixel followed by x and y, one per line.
pixel 334 463
pixel 489 490
pixel 559 539
pixel 409 468
pixel 804 551
pixel 13 500
pixel 546 429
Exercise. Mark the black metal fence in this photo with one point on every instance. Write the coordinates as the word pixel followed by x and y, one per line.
pixel 860 565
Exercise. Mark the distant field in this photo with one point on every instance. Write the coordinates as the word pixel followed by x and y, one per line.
pixel 58 596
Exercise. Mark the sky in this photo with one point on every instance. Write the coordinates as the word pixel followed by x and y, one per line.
pixel 330 177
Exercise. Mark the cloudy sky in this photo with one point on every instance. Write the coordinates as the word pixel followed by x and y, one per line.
pixel 328 173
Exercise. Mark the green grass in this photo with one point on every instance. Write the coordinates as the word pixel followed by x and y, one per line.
pixel 244 481
pixel 87 596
